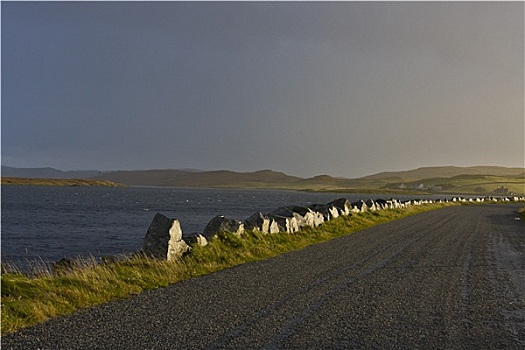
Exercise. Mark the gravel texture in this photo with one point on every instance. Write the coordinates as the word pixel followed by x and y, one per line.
pixel 447 279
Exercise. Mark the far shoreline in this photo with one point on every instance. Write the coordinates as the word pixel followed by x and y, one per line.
pixel 18 181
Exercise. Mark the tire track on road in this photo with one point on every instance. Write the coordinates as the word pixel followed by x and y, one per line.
pixel 317 293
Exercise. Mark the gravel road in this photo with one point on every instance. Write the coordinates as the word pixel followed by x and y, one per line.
pixel 447 279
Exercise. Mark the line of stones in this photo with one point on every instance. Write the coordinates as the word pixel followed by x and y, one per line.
pixel 164 239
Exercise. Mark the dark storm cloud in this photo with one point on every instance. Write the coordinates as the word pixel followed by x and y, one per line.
pixel 307 88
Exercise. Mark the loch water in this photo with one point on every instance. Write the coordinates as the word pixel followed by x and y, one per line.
pixel 47 223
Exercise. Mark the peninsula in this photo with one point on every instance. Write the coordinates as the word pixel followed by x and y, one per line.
pixel 57 182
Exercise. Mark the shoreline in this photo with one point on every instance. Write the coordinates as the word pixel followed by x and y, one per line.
pixel 18 181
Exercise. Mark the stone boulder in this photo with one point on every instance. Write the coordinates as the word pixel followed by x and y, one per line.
pixel 282 211
pixel 258 222
pixel 274 227
pixel 314 219
pixel 372 205
pixel 196 238
pixel 285 224
pixel 164 239
pixel 202 241
pixel 306 216
pixel 328 212
pixel 359 207
pixel 334 212
pixel 380 204
pixel 301 214
pixel 396 203
pixel 222 224
pixel 342 205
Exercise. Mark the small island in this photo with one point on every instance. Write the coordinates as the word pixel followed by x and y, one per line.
pixel 57 182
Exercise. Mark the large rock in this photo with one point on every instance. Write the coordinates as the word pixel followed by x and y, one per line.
pixel 258 222
pixel 328 212
pixel 222 224
pixel 164 239
pixel 380 204
pixel 314 219
pixel 342 204
pixel 285 224
pixel 196 238
pixel 359 207
pixel 395 204
pixel 306 216
pixel 301 214
pixel 274 227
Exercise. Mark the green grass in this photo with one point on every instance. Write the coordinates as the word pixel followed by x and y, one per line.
pixel 470 184
pixel 28 300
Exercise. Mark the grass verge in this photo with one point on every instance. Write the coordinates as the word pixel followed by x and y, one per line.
pixel 29 300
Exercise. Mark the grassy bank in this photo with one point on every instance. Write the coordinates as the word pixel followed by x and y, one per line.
pixel 30 300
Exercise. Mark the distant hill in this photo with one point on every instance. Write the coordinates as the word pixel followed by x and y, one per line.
pixel 430 179
pixel 47 173
pixel 185 178
pixel 434 179
pixel 467 184
pixel 444 171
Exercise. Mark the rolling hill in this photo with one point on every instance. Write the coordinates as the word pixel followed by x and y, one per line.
pixel 445 171
pixel 458 180
pixel 184 178
pixel 47 173
pixel 471 180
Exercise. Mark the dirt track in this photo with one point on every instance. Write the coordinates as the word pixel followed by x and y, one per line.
pixel 447 279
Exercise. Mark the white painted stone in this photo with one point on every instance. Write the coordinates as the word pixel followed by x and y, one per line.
pixel 163 239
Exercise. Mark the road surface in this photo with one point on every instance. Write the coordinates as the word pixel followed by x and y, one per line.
pixel 447 279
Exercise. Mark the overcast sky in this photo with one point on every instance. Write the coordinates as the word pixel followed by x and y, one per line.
pixel 343 88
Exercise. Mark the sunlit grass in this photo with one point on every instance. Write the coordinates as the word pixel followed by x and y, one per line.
pixel 28 300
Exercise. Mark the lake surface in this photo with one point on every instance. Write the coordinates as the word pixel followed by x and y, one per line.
pixel 50 223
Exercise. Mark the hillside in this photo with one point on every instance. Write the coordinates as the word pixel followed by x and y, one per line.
pixel 184 178
pixel 47 173
pixel 467 184
pixel 435 180
pixel 444 171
